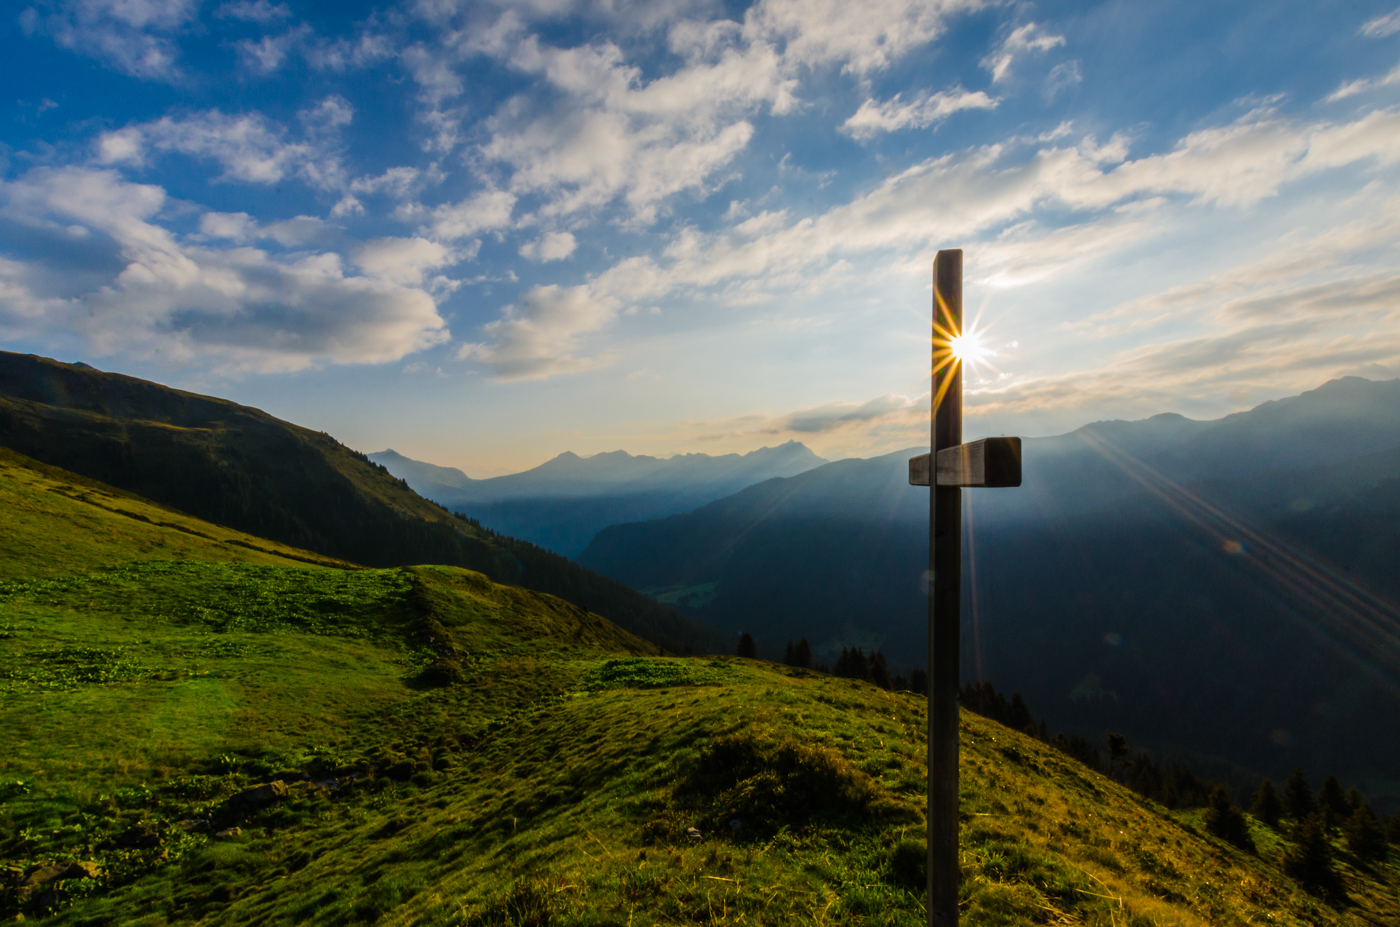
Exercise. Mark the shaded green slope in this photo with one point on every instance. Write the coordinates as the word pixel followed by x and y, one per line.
pixel 242 468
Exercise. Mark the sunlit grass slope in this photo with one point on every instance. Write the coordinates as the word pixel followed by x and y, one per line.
pixel 460 752
pixel 57 523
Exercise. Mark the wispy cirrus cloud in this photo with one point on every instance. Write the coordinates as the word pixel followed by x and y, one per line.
pixel 920 112
pixel 1365 85
pixel 1021 41
pixel 1383 25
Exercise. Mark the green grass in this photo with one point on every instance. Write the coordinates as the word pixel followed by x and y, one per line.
pixel 60 524
pixel 459 752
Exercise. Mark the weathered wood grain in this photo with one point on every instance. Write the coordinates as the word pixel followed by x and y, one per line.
pixel 987 462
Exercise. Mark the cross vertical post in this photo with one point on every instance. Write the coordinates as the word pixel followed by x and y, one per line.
pixel 944 602
pixel 949 466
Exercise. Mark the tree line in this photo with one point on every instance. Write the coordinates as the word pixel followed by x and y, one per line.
pixel 853 663
pixel 1313 822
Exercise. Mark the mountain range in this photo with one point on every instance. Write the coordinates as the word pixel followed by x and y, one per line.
pixel 1224 591
pixel 564 502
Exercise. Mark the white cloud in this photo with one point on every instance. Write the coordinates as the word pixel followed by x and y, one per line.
pixel 249 147
pixel 235 226
pixel 988 190
pixel 396 181
pixel 860 37
pixel 240 308
pixel 553 246
pixel 611 135
pixel 485 211
pixel 347 54
pixel 1023 39
pixel 267 53
pixel 924 110
pixel 596 130
pixel 255 11
pixel 134 36
pixel 1381 26
pixel 839 415
pixel 401 260
pixel 124 146
pixel 1291 338
pixel 1062 76
pixel 538 337
pixel 1365 84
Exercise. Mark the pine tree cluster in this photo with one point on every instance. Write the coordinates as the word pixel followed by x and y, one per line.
pixel 799 655
pixel 1308 819
pixel 854 664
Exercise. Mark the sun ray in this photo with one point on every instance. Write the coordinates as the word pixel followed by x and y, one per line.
pixel 952 346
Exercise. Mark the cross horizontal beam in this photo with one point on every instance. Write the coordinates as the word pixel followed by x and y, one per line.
pixel 989 462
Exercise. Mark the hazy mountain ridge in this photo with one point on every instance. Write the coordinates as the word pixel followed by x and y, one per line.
pixel 1228 560
pixel 565 501
pixel 240 467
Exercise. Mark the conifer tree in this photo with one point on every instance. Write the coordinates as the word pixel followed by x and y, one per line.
pixel 1355 799
pixel 851 664
pixel 1333 801
pixel 918 681
pixel 1266 806
pixel 1298 799
pixel 1117 748
pixel 1019 717
pixel 1309 860
pixel 802 654
pixel 1226 821
pixel 746 647
pixel 1365 839
pixel 878 672
pixel 787 654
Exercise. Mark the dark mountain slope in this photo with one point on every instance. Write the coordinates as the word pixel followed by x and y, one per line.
pixel 240 467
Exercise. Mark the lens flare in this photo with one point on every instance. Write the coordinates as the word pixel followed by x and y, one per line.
pixel 970 348
pixel 952 347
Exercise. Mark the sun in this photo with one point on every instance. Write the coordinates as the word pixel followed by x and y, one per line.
pixel 968 347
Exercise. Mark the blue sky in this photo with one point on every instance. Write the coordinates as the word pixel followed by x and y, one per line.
pixel 484 234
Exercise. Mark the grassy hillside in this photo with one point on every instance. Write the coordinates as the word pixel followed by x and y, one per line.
pixel 242 468
pixel 453 751
pixel 59 523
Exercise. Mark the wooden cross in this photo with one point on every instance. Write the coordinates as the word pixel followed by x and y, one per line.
pixel 988 462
